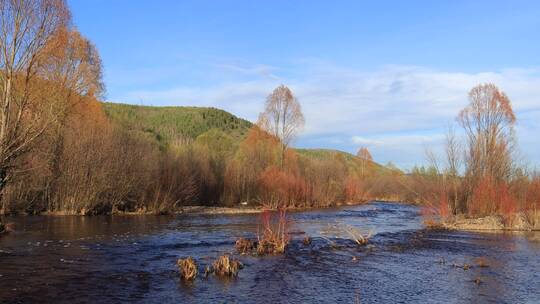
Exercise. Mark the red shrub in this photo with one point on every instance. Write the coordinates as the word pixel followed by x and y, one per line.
pixel 506 201
pixel 353 189
pixel 442 208
pixel 490 197
pixel 273 232
pixel 279 188
pixel 533 195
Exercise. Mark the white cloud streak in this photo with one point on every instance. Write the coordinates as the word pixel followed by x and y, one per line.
pixel 395 110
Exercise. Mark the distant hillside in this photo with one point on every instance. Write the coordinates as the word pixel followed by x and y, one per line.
pixel 349 158
pixel 167 124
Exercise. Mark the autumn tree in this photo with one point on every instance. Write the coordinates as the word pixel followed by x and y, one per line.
pixel 27 26
pixel 282 117
pixel 256 153
pixel 488 122
pixel 72 65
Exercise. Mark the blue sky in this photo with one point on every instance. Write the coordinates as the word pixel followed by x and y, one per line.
pixel 389 75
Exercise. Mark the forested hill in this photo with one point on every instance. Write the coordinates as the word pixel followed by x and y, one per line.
pixel 351 160
pixel 166 124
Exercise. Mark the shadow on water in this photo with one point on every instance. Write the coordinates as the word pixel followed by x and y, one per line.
pixel 132 259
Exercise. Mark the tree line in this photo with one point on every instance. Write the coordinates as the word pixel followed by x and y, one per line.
pixel 61 153
pixel 479 175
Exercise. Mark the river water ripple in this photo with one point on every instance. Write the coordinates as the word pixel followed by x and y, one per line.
pixel 118 259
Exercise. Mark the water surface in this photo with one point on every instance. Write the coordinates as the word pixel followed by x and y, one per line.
pixel 114 259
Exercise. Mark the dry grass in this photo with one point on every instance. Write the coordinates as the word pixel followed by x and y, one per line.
pixel 188 268
pixel 350 232
pixel 333 244
pixel 433 224
pixel 226 266
pixel 5 228
pixel 306 241
pixel 481 262
pixel 357 235
pixel 244 246
pixel 534 218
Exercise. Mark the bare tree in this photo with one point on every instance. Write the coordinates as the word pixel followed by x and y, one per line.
pixel 365 158
pixel 488 121
pixel 282 117
pixel 453 152
pixel 26 27
pixel 453 163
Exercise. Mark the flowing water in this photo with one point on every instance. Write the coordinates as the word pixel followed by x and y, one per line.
pixel 113 259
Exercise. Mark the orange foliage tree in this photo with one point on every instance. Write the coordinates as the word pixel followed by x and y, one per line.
pixel 27 26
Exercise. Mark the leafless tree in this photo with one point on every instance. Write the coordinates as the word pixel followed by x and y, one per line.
pixel 488 121
pixel 282 117
pixel 453 163
pixel 365 158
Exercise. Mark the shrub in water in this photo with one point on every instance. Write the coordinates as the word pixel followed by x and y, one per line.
pixel 273 234
pixel 188 268
pixel 226 266
pixel 244 246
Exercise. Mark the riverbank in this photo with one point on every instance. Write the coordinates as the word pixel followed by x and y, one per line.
pixel 218 210
pixel 201 210
pixel 196 210
pixel 515 222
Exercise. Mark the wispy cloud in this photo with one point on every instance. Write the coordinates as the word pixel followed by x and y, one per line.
pixel 395 110
pixel 257 69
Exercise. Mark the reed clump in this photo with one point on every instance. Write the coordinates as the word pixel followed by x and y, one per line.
pixel 244 246
pixel 226 266
pixel 273 236
pixel 188 268
pixel 6 228
pixel 350 232
pixel 357 235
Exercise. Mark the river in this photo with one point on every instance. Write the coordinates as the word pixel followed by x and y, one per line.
pixel 117 259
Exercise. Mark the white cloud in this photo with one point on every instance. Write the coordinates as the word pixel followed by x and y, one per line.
pixel 258 69
pixel 390 109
